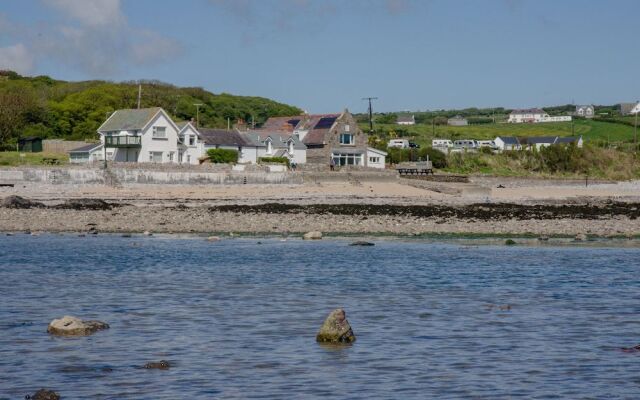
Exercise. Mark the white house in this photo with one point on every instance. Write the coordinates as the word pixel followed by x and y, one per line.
pixel 274 144
pixel 507 143
pixel 140 135
pixel 230 140
pixel 376 158
pixel 534 115
pixel 587 111
pixel 89 153
pixel 406 120
pixel 190 146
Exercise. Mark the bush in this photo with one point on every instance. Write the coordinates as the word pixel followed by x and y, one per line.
pixel 275 160
pixel 438 158
pixel 222 156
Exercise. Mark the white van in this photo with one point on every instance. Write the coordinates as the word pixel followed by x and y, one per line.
pixel 398 143
pixel 441 143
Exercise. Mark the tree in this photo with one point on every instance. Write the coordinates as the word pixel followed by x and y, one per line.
pixel 16 101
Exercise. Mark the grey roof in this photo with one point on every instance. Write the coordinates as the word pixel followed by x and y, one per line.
pixel 528 111
pixel 129 120
pixel 405 118
pixel 258 138
pixel 87 148
pixel 509 140
pixel 542 140
pixel 222 137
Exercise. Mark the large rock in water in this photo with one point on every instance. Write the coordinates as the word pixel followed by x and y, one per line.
pixel 336 329
pixel 44 394
pixel 72 326
pixel 313 235
pixel 19 202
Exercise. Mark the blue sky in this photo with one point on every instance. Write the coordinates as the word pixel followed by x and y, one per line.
pixel 324 55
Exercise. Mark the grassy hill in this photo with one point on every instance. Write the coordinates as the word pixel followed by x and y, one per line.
pixel 49 108
pixel 590 130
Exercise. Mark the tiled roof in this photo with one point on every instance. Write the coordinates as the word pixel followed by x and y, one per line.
pixel 405 118
pixel 127 120
pixel 282 123
pixel 541 140
pixel 221 137
pixel 567 139
pixel 509 140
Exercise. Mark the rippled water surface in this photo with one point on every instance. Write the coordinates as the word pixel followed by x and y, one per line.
pixel 237 319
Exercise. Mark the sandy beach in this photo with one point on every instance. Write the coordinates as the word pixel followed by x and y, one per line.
pixel 482 206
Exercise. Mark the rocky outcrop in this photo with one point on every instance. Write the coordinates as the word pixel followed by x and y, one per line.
pixel 362 243
pixel 213 239
pixel 336 329
pixel 43 394
pixel 20 202
pixel 162 364
pixel 72 326
pixel 313 235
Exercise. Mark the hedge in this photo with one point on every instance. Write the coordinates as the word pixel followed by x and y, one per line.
pixel 275 160
pixel 222 156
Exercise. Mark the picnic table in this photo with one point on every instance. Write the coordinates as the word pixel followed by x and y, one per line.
pixel 50 160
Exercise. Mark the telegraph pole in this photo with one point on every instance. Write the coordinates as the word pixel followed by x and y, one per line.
pixel 139 94
pixel 197 114
pixel 370 112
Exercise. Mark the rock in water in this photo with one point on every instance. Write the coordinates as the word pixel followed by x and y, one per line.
pixel 313 235
pixel 19 202
pixel 580 237
pixel 336 329
pixel 162 364
pixel 362 243
pixel 72 326
pixel 44 394
pixel 213 239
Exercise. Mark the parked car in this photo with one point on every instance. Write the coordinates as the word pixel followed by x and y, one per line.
pixel 414 145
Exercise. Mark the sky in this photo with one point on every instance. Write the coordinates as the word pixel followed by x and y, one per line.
pixel 326 55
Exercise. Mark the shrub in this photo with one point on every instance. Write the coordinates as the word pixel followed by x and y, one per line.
pixel 222 156
pixel 438 158
pixel 275 160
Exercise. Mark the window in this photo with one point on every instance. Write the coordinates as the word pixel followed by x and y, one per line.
pixel 159 132
pixel 346 159
pixel 155 156
pixel 346 138
pixel 192 140
pixel 171 156
pixel 189 158
pixel 374 160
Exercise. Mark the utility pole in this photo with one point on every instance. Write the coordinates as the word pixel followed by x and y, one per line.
pixel 197 114
pixel 370 112
pixel 139 94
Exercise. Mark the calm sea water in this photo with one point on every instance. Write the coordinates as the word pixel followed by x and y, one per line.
pixel 238 319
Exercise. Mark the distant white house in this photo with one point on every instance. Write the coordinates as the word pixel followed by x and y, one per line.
pixel 534 115
pixel 405 119
pixel 546 141
pixel 586 111
pixel 140 135
pixel 507 143
pixel 458 120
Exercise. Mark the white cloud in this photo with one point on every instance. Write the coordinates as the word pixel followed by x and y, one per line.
pixel 16 58
pixel 94 13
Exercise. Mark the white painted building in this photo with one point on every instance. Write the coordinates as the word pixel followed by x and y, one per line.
pixel 534 115
pixel 274 144
pixel 140 135
pixel 507 143
pixel 89 153
pixel 376 158
pixel 405 119
pixel 190 145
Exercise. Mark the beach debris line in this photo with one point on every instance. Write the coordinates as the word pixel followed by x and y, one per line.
pixel 313 235
pixel 336 329
pixel 162 364
pixel 43 394
pixel 73 326
pixel 20 202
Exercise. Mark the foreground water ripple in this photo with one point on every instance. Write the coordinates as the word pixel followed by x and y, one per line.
pixel 237 319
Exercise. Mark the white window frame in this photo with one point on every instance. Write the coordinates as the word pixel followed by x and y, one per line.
pixel 352 140
pixel 159 132
pixel 192 140
pixel 154 154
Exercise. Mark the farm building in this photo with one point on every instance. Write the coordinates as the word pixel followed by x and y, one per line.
pixel 406 119
pixel 30 145
pixel 458 120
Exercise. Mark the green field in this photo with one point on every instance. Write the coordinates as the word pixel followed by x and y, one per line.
pixel 589 129
pixel 13 158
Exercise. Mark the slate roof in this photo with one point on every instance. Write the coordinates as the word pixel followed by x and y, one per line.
pixel 283 123
pixel 316 135
pixel 567 140
pixel 278 139
pixel 87 148
pixel 222 137
pixel 405 118
pixel 528 111
pixel 129 120
pixel 509 140
pixel 541 140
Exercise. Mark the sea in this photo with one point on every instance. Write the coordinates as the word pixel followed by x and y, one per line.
pixel 237 318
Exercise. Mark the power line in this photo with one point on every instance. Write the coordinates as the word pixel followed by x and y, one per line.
pixel 370 112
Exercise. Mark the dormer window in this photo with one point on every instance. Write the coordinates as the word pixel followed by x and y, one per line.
pixel 269 146
pixel 290 146
pixel 346 138
pixel 192 140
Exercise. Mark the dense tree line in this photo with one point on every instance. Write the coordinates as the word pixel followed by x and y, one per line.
pixel 49 108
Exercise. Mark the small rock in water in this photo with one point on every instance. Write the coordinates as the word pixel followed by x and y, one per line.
pixel 362 243
pixel 126 235
pixel 336 329
pixel 73 326
pixel 633 349
pixel 147 233
pixel 43 394
pixel 213 239
pixel 9 234
pixel 580 237
pixel 543 238
pixel 162 364
pixel 510 242
pixel 313 235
